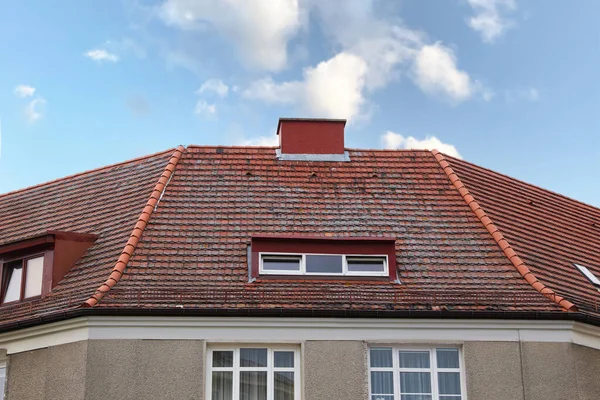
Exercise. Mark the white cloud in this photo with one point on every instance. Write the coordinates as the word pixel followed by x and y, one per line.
pixel 269 141
pixel 259 28
pixel 24 91
pixel 204 108
pixel 435 72
pixel 214 85
pixel 489 19
pixel 332 89
pixel 101 55
pixel 32 110
pixel 393 140
pixel 529 94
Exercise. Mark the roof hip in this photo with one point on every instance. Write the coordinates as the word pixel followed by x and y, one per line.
pixel 499 238
pixel 138 230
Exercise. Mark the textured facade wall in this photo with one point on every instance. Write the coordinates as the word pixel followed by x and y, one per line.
pixel 57 372
pixel 335 370
pixel 145 369
pixel 174 369
pixel 493 370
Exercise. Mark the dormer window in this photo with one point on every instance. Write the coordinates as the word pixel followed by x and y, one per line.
pixel 322 258
pixel 30 268
pixel 22 278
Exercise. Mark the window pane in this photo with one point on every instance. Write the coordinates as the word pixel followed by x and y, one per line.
pixel 281 264
pixel 382 382
pixel 447 358
pixel 14 276
pixel 357 264
pixel 324 264
pixel 33 278
pixel 449 382
pixel 2 380
pixel 450 397
pixel 222 385
pixel 415 382
pixel 415 397
pixel 284 386
pixel 414 359
pixel 253 357
pixel 222 359
pixel 382 397
pixel 284 359
pixel 253 385
pixel 381 357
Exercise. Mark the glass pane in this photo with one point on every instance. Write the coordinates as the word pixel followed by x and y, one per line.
pixel 222 359
pixel 415 397
pixel 449 382
pixel 275 264
pixel 382 397
pixel 382 382
pixel 222 385
pixel 324 264
pixel 253 357
pixel 381 357
pixel 284 359
pixel 415 382
pixel 2 379
pixel 284 386
pixel 414 359
pixel 365 265
pixel 14 274
pixel 33 278
pixel 447 358
pixel 253 385
pixel 450 397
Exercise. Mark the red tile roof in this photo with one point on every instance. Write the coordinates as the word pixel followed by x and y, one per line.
pixel 193 251
pixel 106 202
pixel 549 231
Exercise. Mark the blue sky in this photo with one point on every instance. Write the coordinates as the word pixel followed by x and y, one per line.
pixel 511 85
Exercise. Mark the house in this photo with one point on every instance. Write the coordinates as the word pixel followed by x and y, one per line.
pixel 307 271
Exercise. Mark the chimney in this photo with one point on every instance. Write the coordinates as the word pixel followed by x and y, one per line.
pixel 311 139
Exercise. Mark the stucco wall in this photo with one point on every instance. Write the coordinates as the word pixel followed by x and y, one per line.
pixel 335 370
pixel 47 374
pixel 174 369
pixel 145 369
pixel 493 370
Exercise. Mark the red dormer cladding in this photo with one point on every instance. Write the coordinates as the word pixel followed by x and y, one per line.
pixel 311 136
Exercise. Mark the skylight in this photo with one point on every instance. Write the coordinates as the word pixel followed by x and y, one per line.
pixel 589 274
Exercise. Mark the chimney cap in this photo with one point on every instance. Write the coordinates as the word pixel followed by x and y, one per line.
pixel 285 119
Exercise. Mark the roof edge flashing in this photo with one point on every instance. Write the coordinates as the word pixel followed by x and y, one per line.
pixel 313 157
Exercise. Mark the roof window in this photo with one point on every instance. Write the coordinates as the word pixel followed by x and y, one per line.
pixel 22 278
pixel 589 275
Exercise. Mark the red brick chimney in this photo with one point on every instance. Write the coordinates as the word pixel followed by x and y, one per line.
pixel 311 136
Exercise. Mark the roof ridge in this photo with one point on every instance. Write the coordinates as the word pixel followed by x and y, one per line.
pixel 499 238
pixel 138 230
pixel 564 196
pixel 89 171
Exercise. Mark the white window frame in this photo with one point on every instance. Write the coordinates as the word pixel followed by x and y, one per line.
pixel 303 271
pixel 433 369
pixel 589 275
pixel 270 368
pixel 3 366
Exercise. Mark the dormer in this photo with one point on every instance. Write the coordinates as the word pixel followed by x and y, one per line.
pixel 31 268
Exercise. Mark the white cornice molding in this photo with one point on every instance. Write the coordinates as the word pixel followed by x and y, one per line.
pixel 297 330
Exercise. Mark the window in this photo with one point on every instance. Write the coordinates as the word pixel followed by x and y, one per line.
pixel 22 279
pixel 415 374
pixel 253 373
pixel 323 264
pixel 2 379
pixel 588 274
